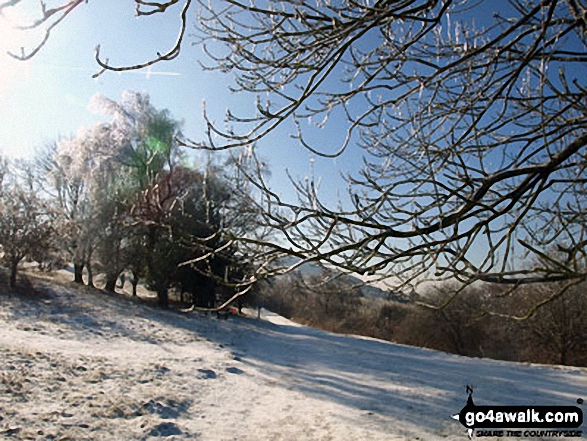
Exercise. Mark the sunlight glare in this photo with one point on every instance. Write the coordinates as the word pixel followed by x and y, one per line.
pixel 11 39
pixel 14 74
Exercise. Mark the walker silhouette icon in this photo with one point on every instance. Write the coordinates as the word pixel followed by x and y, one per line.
pixel 474 417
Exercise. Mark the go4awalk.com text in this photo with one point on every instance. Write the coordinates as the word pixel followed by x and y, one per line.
pixel 520 421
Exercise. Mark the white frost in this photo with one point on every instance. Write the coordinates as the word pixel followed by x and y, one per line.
pixel 85 365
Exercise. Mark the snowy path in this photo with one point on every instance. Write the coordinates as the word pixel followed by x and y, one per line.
pixel 84 366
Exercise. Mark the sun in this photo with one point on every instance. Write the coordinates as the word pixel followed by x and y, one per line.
pixel 11 39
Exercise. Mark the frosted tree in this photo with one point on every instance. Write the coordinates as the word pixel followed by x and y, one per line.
pixel 472 132
pixel 72 167
pixel 95 174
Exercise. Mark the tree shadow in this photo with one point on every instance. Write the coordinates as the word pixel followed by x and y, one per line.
pixel 389 383
pixel 78 308
pixel 416 386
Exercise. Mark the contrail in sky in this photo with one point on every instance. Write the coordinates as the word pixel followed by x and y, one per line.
pixel 146 73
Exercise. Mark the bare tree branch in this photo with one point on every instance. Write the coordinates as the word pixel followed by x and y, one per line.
pixel 471 132
pixel 169 55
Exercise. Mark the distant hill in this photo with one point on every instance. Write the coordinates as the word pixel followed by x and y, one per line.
pixel 312 269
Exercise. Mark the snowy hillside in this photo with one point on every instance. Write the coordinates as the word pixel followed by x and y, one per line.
pixel 83 365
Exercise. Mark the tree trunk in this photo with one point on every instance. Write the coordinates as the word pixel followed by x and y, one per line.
pixel 78 273
pixel 163 296
pixel 563 354
pixel 90 275
pixel 134 282
pixel 111 283
pixel 13 271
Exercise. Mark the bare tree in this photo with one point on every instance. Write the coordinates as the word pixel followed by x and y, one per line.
pixel 69 188
pixel 472 129
pixel 25 223
pixel 473 136
pixel 557 332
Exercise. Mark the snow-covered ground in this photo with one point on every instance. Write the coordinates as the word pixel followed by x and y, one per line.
pixel 84 365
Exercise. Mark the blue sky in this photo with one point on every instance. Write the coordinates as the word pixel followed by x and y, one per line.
pixel 47 97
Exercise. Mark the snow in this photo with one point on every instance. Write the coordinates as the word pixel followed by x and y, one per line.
pixel 81 364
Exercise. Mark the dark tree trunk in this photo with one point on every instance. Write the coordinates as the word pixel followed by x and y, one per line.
pixel 163 296
pixel 563 355
pixel 13 271
pixel 134 281
pixel 90 275
pixel 111 283
pixel 207 294
pixel 78 273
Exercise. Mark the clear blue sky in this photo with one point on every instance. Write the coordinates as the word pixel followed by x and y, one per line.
pixel 47 97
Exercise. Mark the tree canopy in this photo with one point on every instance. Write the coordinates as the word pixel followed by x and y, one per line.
pixel 127 199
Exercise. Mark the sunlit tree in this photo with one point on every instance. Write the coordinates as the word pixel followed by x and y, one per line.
pixel 144 140
pixel 71 167
pixel 96 176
